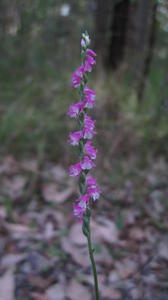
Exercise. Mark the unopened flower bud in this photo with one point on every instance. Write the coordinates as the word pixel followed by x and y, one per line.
pixel 83 43
pixel 87 39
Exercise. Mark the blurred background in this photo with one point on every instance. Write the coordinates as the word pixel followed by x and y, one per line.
pixel 43 255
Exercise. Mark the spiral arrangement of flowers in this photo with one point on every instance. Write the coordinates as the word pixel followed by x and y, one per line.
pixel 89 190
pixel 88 187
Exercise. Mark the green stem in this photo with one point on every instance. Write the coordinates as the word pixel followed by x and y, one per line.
pixel 93 264
pixel 82 184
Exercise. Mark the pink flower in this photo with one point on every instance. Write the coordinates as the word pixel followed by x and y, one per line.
pixel 88 130
pixel 90 181
pixel 89 97
pixel 75 170
pixel 74 109
pixel 94 192
pixel 92 187
pixel 89 102
pixel 79 209
pixel 88 133
pixel 90 92
pixel 89 122
pixel 80 206
pixel 84 198
pixel 91 52
pixel 87 163
pixel 90 151
pixel 89 62
pixel 75 137
pixel 77 76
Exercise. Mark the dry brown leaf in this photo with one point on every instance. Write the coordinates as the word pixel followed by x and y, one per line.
pixel 14 187
pixel 76 291
pixel 106 231
pixel 29 165
pixel 110 293
pixel 58 173
pixel 106 290
pixel 126 267
pixel 114 276
pixel 3 212
pixel 135 293
pixel 87 279
pixel 46 214
pixel 76 235
pixel 7 286
pixel 150 279
pixel 38 282
pixel 49 231
pixel 130 215
pixel 163 250
pixel 103 258
pixel 137 234
pixel 79 255
pixel 56 291
pixel 9 166
pixel 39 296
pixel 52 194
pixel 19 230
pixel 10 260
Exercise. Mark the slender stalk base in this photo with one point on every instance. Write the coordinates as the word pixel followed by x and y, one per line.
pixel 93 265
pixel 86 232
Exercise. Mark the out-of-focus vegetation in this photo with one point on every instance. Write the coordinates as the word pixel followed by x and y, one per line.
pixel 40 49
pixel 42 249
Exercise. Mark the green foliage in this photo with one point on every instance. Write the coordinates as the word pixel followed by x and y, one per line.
pixel 53 250
pixel 64 232
pixel 119 222
pixel 35 82
pixel 9 207
pixel 35 75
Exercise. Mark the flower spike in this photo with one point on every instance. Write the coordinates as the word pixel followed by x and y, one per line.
pixel 89 190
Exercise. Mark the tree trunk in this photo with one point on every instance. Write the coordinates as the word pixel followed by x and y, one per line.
pixel 149 54
pixel 102 15
pixel 141 38
pixel 119 27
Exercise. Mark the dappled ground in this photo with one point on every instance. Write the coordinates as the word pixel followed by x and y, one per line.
pixel 43 253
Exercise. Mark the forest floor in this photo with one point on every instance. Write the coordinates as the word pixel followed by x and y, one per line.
pixel 43 253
